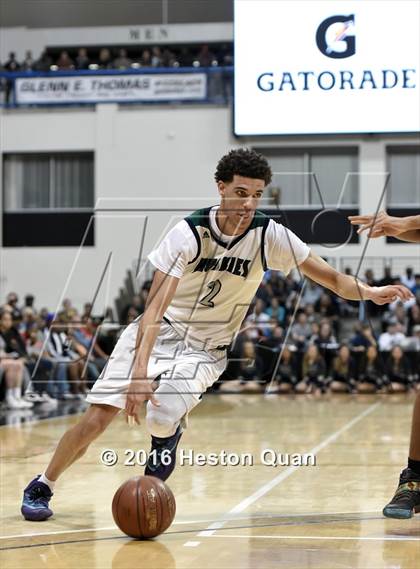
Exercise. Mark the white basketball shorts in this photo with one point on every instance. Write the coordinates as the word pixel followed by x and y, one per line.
pixel 185 368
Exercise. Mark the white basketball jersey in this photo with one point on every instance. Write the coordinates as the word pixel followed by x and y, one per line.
pixel 218 285
pixel 219 275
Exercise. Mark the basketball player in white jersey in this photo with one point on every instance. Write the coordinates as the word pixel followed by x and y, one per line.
pixel 406 500
pixel 208 269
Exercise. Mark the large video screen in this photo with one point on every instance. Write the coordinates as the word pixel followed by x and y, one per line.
pixel 326 67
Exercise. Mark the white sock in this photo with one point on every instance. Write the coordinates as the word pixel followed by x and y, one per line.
pixel 45 480
pixel 17 393
pixel 9 394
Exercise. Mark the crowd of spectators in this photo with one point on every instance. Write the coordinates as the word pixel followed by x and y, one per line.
pixel 326 343
pixel 309 342
pixel 46 356
pixel 123 58
pixel 150 57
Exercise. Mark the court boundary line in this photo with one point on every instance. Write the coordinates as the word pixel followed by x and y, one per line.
pixel 37 421
pixel 268 486
pixel 186 522
pixel 322 537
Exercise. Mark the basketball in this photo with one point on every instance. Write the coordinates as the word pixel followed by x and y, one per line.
pixel 143 507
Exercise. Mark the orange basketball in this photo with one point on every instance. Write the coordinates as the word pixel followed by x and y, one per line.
pixel 143 507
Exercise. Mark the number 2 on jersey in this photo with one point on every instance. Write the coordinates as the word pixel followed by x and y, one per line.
pixel 214 287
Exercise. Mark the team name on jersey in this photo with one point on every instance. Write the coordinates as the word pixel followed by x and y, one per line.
pixel 234 265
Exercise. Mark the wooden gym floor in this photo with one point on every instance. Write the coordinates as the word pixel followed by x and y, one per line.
pixel 323 516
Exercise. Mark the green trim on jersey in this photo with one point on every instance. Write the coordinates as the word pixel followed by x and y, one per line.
pixel 200 218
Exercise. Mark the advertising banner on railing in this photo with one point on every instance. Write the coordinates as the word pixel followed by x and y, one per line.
pixel 106 88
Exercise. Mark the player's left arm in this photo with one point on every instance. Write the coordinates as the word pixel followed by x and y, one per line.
pixel 349 287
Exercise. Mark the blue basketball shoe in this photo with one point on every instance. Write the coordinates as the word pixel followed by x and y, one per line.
pixel 162 457
pixel 36 497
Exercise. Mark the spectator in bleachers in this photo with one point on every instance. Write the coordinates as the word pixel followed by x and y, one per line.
pixel 138 302
pixel 301 331
pixel 258 321
pixel 286 376
pixel 275 339
pixel 413 317
pixel 132 314
pixel 105 60
pixel 64 62
pixel 205 57
pixel 313 372
pixel 417 289
pixel 85 336
pixel 168 58
pixel 35 371
pixel 146 58
pixel 67 312
pixel 122 61
pixel 401 317
pixel 343 371
pixel 29 302
pixel 326 307
pixel 28 322
pixel 387 279
pixel 29 62
pixel 249 366
pixel 311 294
pixel 264 294
pixel 409 279
pixel 44 62
pixel 412 342
pixel 156 56
pixel 11 305
pixel 326 342
pixel 82 59
pixel 276 311
pixel 398 370
pixel 311 315
pixel 11 369
pixel 87 310
pixel 12 63
pixel 362 338
pixel 68 382
pixel 370 374
pixel 392 337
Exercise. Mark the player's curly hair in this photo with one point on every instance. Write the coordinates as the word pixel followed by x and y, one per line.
pixel 243 162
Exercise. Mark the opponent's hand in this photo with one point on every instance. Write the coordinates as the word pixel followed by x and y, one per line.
pixel 390 293
pixel 139 390
pixel 379 226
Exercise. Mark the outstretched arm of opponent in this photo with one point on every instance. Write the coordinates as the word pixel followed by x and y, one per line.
pixel 350 287
pixel 161 293
pixel 403 228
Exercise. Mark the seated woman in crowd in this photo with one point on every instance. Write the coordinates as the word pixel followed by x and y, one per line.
pixel 11 369
pixel 371 372
pixel 286 372
pixel 313 372
pixel 249 368
pixel 276 311
pixel 398 370
pixel 343 372
pixel 326 342
pixel 68 365
pixel 85 344
pixel 35 371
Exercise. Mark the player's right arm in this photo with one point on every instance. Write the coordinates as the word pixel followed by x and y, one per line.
pixel 403 228
pixel 160 296
pixel 170 258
